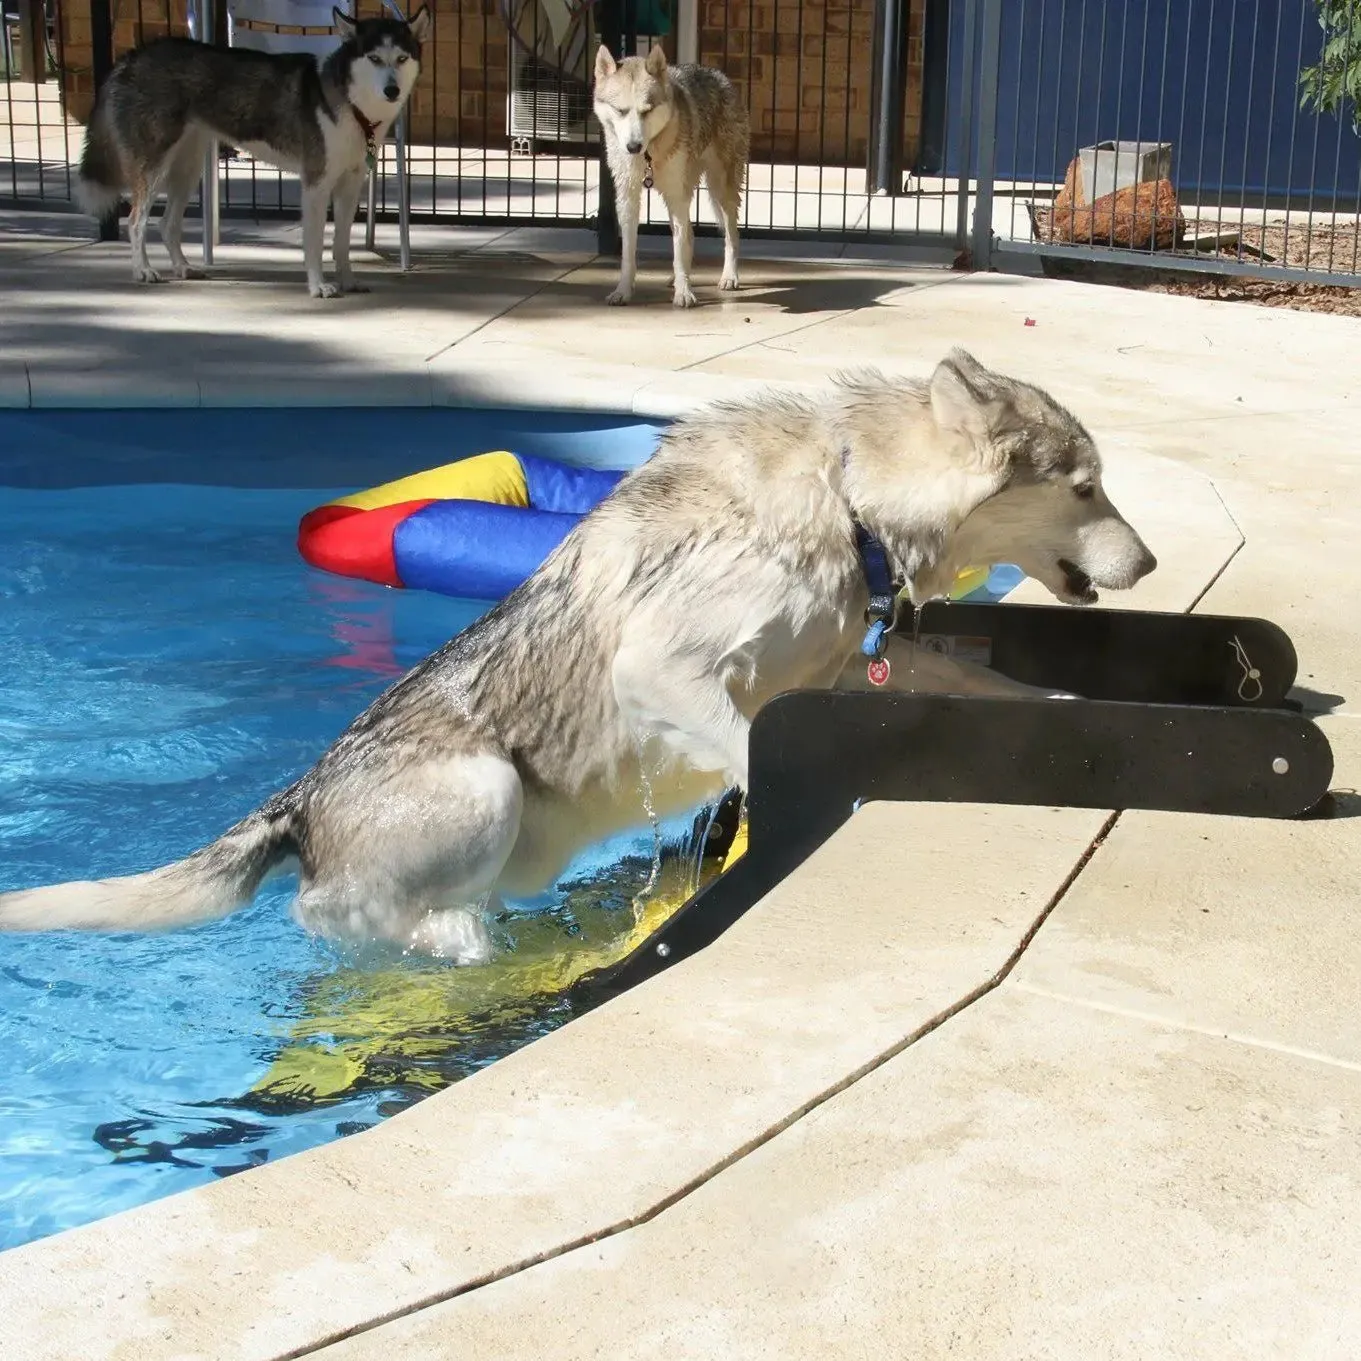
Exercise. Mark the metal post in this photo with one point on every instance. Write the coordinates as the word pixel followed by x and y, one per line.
pixel 989 71
pixel 101 63
pixel 208 190
pixel 32 41
pixel 886 98
pixel 968 72
pixel 371 209
pixel 403 194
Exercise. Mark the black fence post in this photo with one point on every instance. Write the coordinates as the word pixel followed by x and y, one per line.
pixel 101 63
pixel 885 167
pixel 935 88
pixel 618 31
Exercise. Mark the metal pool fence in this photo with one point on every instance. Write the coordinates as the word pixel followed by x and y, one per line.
pixel 1143 133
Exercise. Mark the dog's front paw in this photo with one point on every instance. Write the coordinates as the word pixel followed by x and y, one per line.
pixel 685 297
pixel 619 297
pixel 350 286
pixel 190 272
pixel 324 290
pixel 146 276
pixel 728 283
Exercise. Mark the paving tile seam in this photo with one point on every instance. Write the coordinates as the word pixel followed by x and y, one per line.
pixel 701 1179
pixel 806 326
pixel 505 311
pixel 1211 1032
pixel 1237 548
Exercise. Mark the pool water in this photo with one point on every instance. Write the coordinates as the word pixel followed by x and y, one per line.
pixel 169 662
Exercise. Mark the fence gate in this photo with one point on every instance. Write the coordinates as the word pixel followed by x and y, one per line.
pixel 862 111
pixel 1155 135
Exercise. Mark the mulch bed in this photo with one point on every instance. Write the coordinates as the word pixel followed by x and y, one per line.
pixel 1325 247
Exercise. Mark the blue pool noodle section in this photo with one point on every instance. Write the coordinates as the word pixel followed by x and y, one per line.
pixel 473 549
pixel 561 487
pixel 482 551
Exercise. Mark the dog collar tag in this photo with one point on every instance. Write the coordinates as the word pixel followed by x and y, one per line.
pixel 877 671
pixel 647 171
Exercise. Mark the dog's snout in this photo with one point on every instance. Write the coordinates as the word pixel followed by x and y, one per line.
pixel 1147 563
pixel 634 148
pixel 392 91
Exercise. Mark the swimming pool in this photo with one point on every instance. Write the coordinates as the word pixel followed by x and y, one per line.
pixel 170 661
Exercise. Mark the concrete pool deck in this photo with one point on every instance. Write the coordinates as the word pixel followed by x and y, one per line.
pixel 876 1118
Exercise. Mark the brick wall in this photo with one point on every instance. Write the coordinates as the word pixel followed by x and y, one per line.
pixel 461 98
pixel 804 67
pixel 133 22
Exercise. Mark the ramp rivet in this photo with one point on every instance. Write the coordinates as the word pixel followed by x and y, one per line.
pixel 1280 765
pixel 663 950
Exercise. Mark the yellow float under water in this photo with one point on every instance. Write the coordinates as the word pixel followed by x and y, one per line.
pixel 364 1030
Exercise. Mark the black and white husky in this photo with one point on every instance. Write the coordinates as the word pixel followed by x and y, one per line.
pixel 720 573
pixel 163 102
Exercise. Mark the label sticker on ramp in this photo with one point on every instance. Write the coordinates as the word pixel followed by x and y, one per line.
pixel 960 647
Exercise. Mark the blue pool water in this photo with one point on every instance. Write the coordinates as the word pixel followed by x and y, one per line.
pixel 168 662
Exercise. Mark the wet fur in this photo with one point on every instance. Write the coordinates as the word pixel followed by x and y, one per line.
pixel 718 574
pixel 164 102
pixel 690 121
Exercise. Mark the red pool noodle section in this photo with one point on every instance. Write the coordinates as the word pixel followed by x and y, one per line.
pixel 361 549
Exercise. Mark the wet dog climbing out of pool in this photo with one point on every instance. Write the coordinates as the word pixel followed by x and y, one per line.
pixel 718 574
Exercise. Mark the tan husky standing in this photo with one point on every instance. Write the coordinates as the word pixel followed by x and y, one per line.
pixel 670 127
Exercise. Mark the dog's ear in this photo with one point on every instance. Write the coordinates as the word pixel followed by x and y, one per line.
pixel 344 23
pixel 605 64
pixel 419 24
pixel 964 396
pixel 656 63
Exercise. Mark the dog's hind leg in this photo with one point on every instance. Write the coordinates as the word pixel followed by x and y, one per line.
pixel 725 193
pixel 143 196
pixel 184 170
pixel 410 862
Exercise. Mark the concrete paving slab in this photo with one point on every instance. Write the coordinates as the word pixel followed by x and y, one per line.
pixel 251 323
pixel 1032 1179
pixel 1293 485
pixel 906 912
pixel 1166 360
pixel 1228 925
pixel 568 318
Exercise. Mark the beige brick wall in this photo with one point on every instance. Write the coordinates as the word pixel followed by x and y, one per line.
pixel 779 52
pixel 805 68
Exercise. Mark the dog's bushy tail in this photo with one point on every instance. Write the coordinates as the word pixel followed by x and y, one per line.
pixel 100 179
pixel 210 883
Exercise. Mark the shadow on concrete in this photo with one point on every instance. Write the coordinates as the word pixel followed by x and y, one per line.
pixel 1314 702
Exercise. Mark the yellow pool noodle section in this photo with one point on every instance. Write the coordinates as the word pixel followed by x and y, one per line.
pixel 496 477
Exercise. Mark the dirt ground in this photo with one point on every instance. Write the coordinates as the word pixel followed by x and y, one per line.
pixel 1297 243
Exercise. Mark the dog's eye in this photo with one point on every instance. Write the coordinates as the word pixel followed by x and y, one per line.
pixel 1084 491
pixel 403 59
pixel 645 109
pixel 375 58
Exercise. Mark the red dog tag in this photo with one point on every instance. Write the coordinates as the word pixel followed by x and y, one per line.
pixel 878 671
